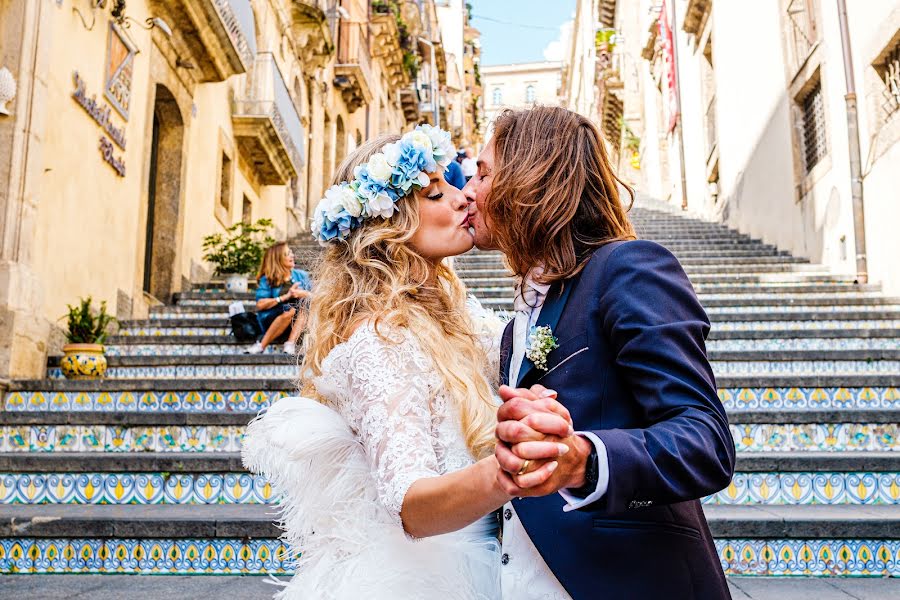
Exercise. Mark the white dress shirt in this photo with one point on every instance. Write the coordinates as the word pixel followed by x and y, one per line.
pixel 524 574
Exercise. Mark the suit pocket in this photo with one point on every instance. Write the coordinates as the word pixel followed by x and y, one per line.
pixel 567 350
pixel 649 527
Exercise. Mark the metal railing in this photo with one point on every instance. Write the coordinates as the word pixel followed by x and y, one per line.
pixel 353 47
pixel 237 16
pixel 266 95
pixel 891 77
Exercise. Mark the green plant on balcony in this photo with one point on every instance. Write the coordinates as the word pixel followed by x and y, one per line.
pixel 468 11
pixel 603 39
pixel 477 74
pixel 631 141
pixel 238 252
pixel 411 63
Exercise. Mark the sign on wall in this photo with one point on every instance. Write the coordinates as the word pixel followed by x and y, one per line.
pixel 119 70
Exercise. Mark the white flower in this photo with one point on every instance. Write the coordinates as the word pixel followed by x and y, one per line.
pixel 419 138
pixel 441 144
pixel 379 168
pixel 341 198
pixel 540 343
pixel 381 206
pixel 392 153
pixel 422 179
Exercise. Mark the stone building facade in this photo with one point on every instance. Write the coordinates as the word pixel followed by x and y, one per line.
pixel 140 126
pixel 767 133
pixel 520 86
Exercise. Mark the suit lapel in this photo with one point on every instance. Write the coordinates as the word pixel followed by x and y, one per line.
pixel 506 353
pixel 551 311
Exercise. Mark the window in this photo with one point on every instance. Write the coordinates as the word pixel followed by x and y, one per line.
pixel 889 73
pixel 225 183
pixel 497 96
pixel 802 32
pixel 813 126
pixel 529 94
pixel 247 211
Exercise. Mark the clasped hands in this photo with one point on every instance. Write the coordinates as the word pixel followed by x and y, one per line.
pixel 537 448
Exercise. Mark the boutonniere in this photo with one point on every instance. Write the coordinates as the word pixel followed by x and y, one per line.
pixel 540 343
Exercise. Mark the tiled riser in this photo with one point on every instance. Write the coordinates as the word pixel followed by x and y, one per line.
pixel 810 488
pixel 244 488
pixel 766 437
pixel 115 438
pixel 196 372
pixel 164 331
pixel 182 349
pixel 737 399
pixel 720 368
pixel 860 558
pixel 137 488
pixel 734 399
pixel 730 310
pixel 805 367
pixel 844 558
pixel 816 437
pixel 161 401
pixel 774 345
pixel 145 556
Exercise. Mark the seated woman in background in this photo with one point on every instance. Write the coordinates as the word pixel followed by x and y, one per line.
pixel 282 296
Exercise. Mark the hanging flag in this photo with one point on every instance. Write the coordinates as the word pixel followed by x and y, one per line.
pixel 668 48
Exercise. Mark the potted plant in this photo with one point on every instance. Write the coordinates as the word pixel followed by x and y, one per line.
pixel 238 252
pixel 86 331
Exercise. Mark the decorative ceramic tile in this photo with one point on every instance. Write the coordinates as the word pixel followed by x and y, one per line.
pixel 816 344
pixel 816 437
pixel 805 367
pixel 805 325
pixel 780 298
pixel 145 556
pixel 821 558
pixel 152 330
pixel 786 308
pixel 278 371
pixel 159 401
pixel 134 488
pixel 118 438
pixel 856 398
pixel 168 349
pixel 810 488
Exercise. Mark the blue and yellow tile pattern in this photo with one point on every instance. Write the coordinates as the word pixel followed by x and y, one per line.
pixel 250 401
pixel 819 558
pixel 810 488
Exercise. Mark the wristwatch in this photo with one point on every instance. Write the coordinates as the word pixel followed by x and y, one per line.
pixel 591 475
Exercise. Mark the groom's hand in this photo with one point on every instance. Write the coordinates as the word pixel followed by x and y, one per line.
pixel 530 424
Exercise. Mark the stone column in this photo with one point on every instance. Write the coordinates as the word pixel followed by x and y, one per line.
pixel 25 51
pixel 316 149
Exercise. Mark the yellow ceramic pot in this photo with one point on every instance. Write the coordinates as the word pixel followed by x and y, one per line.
pixel 83 361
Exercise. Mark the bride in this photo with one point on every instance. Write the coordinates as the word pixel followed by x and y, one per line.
pixel 385 471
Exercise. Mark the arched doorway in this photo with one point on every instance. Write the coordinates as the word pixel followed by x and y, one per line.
pixel 164 196
pixel 327 155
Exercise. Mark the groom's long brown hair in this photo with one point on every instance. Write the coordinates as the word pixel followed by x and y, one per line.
pixel 554 198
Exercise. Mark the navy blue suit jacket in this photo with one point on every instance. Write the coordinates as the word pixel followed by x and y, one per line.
pixel 631 367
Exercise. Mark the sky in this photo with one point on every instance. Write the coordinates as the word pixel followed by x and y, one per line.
pixel 517 31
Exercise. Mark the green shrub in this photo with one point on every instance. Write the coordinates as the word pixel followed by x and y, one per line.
pixel 85 326
pixel 240 250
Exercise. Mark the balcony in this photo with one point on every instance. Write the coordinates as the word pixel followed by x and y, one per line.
pixel 266 125
pixel 217 36
pixel 353 69
pixel 311 27
pixel 410 101
pixel 386 47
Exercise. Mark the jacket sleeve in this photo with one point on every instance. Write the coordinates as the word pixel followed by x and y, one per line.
pixel 656 329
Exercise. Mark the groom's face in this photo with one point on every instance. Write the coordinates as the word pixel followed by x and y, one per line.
pixel 476 192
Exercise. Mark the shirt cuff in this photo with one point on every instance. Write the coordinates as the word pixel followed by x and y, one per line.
pixel 573 502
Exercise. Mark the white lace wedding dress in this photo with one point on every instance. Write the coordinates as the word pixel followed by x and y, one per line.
pixel 341 472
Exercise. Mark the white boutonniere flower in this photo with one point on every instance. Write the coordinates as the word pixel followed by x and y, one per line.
pixel 540 343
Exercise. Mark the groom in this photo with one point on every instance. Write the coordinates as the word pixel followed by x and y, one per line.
pixel 647 435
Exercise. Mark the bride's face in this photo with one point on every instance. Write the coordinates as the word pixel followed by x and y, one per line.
pixel 443 221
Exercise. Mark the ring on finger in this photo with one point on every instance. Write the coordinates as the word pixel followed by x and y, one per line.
pixel 524 468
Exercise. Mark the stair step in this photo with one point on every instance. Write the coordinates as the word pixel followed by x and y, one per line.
pixel 811 588
pixel 804 521
pixel 112 586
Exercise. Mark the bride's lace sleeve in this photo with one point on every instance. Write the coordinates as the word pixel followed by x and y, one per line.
pixel 392 404
pixel 489 327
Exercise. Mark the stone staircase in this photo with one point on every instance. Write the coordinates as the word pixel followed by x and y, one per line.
pixel 140 472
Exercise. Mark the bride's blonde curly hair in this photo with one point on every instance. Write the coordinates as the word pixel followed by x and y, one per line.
pixel 376 276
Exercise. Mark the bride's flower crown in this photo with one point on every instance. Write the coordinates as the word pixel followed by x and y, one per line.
pixel 391 174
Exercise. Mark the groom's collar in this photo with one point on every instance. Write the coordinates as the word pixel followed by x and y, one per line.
pixel 540 288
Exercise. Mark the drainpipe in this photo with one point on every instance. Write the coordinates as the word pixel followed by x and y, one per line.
pixel 679 131
pixel 856 183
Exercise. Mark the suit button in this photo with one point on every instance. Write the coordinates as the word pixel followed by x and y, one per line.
pixel 504 559
pixel 507 514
